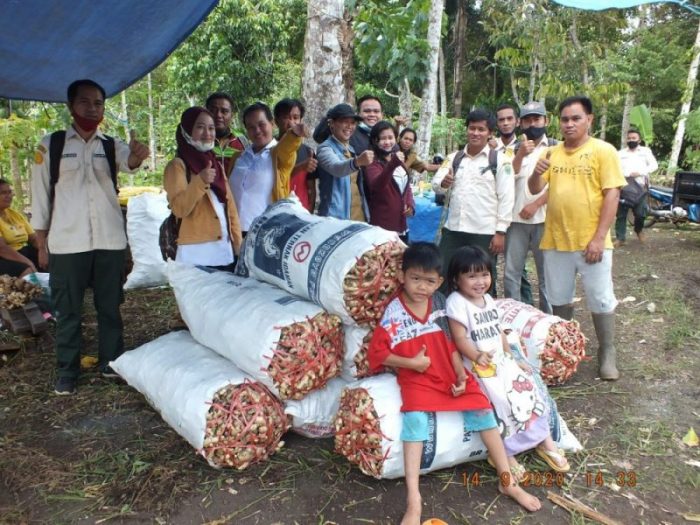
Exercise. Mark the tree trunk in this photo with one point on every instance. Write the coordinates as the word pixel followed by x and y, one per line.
pixel 443 99
pixel 428 102
pixel 534 76
pixel 127 130
pixel 16 173
pixel 347 44
pixel 151 125
pixel 460 33
pixel 514 88
pixel 603 122
pixel 629 104
pixel 322 81
pixel 406 102
pixel 685 107
pixel 573 33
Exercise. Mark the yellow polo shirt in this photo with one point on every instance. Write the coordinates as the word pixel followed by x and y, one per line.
pixel 576 180
pixel 15 229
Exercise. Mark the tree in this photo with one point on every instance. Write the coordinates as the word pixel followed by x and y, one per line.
pixel 240 48
pixel 428 102
pixel 685 107
pixel 322 81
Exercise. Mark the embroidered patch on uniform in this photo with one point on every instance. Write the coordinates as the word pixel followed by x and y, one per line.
pixel 42 148
pixel 38 157
pixel 69 156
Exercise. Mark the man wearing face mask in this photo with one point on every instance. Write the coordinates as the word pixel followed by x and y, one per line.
pixel 80 228
pixel 637 162
pixel 525 231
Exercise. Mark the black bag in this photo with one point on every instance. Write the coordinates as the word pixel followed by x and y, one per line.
pixel 167 238
pixel 169 232
pixel 633 193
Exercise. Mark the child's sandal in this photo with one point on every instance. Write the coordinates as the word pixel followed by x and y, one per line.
pixel 517 471
pixel 555 459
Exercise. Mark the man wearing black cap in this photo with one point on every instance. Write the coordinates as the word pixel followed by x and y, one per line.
pixel 339 167
pixel 525 231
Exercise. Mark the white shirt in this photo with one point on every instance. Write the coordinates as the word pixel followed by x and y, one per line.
pixel 639 160
pixel 522 193
pixel 508 150
pixel 480 203
pixel 86 213
pixel 251 181
pixel 210 253
pixel 401 178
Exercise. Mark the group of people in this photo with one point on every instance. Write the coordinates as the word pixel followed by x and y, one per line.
pixel 558 201
pixel 497 201
pixel 217 185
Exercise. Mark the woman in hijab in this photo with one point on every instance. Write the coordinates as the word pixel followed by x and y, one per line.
pixel 199 195
pixel 387 184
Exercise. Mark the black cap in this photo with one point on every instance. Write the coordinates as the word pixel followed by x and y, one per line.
pixel 342 111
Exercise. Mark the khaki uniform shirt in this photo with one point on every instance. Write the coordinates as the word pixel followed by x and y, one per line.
pixel 86 213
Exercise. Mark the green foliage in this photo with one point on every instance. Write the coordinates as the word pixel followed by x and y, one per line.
pixel 239 48
pixel 640 118
pixel 692 132
pixel 391 36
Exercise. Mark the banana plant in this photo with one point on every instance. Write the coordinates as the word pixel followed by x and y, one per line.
pixel 640 117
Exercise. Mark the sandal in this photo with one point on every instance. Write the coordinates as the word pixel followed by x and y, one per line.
pixel 555 459
pixel 517 470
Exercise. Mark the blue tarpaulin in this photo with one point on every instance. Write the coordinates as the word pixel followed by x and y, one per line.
pixel 599 5
pixel 46 44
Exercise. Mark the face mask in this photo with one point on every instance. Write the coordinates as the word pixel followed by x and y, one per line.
pixel 87 124
pixel 507 135
pixel 202 147
pixel 631 144
pixel 221 133
pixel 533 133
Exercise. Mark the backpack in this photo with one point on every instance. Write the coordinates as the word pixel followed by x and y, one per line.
pixel 493 162
pixel 169 231
pixel 633 193
pixel 56 143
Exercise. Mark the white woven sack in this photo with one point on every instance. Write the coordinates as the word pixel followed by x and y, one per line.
pixel 239 318
pixel 179 378
pixel 354 337
pixel 306 254
pixel 448 444
pixel 532 325
pixel 313 416
pixel 144 215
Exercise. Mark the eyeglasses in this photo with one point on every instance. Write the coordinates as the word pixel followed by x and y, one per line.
pixel 7 192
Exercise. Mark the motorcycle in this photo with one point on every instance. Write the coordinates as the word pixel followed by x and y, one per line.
pixel 660 208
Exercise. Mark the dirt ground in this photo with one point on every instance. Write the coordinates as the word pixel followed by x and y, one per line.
pixel 106 456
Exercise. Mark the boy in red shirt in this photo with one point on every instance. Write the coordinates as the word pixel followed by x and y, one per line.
pixel 431 374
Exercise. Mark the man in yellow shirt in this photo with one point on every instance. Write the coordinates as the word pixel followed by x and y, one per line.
pixel 584 177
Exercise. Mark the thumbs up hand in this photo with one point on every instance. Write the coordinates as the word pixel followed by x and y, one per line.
pixel 542 164
pixel 526 146
pixel 208 174
pixel 138 152
pixel 421 362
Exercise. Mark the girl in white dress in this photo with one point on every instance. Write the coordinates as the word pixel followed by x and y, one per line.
pixel 475 327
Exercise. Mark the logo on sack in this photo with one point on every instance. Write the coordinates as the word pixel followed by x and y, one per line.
pixel 430 444
pixel 301 251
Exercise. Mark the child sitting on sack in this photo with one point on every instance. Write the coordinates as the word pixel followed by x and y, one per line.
pixel 431 375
